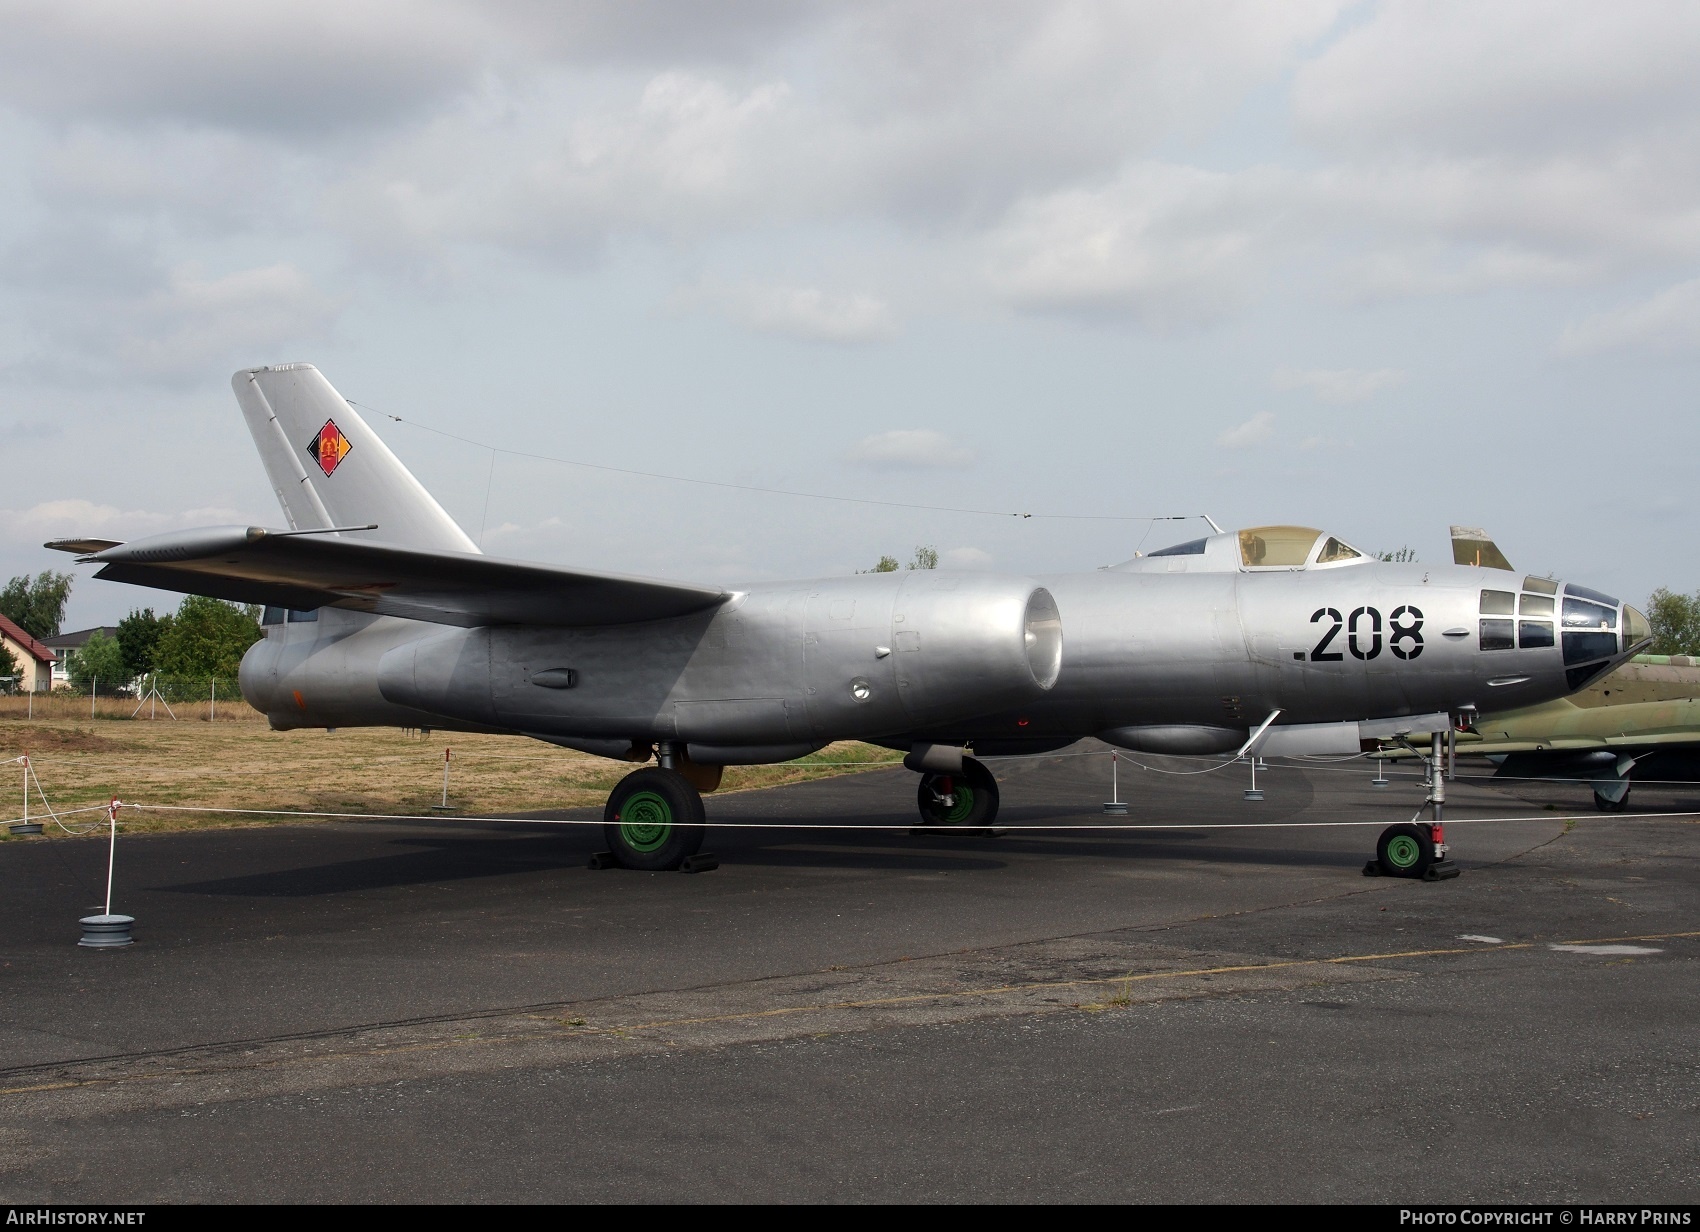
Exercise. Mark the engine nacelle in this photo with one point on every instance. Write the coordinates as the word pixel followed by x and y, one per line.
pixel 841 658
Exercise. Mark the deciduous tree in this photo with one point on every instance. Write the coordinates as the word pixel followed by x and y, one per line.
pixel 206 637
pixel 138 638
pixel 1676 622
pixel 99 661
pixel 37 604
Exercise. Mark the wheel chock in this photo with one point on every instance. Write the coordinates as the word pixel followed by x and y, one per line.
pixel 1441 870
pixel 701 862
pixel 1373 869
pixel 603 859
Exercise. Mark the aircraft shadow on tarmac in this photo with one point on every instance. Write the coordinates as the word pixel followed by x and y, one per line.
pixel 422 859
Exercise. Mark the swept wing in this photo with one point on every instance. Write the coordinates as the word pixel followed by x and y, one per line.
pixel 250 564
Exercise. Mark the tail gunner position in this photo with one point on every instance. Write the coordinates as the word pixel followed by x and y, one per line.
pixel 381 612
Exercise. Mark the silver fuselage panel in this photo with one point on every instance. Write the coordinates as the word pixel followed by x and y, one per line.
pixel 953 656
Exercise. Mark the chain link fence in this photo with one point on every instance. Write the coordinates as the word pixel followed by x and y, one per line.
pixel 155 696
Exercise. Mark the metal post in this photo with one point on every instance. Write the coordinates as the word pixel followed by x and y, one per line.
pixel 446 755
pixel 1114 806
pixel 1252 793
pixel 111 850
pixel 1437 776
pixel 108 931
pixel 94 688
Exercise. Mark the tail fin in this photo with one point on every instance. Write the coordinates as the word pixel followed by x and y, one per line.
pixel 1471 546
pixel 329 468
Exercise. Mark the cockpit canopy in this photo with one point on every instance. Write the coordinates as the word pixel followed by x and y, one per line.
pixel 1259 548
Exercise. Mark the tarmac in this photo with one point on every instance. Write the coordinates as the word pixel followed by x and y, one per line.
pixel 1221 1010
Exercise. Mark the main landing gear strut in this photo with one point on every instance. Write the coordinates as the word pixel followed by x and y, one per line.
pixel 963 800
pixel 1418 848
pixel 654 819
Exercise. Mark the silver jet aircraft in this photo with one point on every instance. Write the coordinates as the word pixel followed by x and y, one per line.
pixel 1277 640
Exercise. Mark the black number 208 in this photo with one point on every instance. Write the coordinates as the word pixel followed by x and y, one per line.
pixel 1363 633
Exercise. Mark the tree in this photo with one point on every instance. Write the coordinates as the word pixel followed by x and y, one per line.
pixel 138 638
pixel 207 637
pixel 99 661
pixel 38 604
pixel 925 558
pixel 9 666
pixel 888 564
pixel 1676 622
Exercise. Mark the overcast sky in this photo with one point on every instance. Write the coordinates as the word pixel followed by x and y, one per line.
pixel 1372 267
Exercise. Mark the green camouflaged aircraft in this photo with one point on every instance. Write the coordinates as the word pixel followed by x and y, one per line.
pixel 1642 721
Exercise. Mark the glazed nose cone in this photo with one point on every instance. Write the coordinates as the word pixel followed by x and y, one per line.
pixel 1636 630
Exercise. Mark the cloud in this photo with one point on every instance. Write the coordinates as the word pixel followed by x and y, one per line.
pixel 910 449
pixel 195 321
pixel 966 558
pixel 1666 323
pixel 130 323
pixel 1338 386
pixel 61 519
pixel 1254 431
pixel 1526 75
pixel 1164 243
pixel 800 312
pixel 264 64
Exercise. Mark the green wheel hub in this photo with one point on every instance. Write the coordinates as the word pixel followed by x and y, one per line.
pixel 962 808
pixel 1403 851
pixel 646 821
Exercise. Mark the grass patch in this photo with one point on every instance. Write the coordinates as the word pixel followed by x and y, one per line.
pixel 240 764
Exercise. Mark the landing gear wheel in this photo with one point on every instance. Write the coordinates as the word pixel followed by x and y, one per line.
pixel 1404 851
pixel 1606 804
pixel 972 795
pixel 654 819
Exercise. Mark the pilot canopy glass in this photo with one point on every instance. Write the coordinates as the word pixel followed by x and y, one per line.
pixel 1292 547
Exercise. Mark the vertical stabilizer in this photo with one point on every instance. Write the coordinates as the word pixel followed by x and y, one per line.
pixel 1471 546
pixel 329 468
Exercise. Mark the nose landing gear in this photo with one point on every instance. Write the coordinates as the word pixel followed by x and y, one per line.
pixel 1418 849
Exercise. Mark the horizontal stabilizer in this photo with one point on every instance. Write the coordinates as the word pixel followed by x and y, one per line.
pixel 247 564
pixel 1471 546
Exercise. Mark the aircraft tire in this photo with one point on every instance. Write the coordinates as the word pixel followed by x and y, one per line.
pixel 1604 805
pixel 653 820
pixel 1404 850
pixel 975 792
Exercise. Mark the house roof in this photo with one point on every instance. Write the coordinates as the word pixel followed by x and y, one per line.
pixel 75 640
pixel 40 651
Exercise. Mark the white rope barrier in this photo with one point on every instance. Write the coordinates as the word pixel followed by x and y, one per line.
pixel 905 826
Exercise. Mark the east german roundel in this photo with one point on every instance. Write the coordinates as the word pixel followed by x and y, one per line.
pixel 329 446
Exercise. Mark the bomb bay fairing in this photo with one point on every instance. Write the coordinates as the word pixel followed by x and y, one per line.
pixel 380 611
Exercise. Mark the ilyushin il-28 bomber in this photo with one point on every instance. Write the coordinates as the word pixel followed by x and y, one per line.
pixel 380 611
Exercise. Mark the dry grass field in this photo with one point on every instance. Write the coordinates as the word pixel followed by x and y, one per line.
pixel 239 763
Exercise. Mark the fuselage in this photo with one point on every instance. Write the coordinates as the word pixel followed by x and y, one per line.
pixel 1193 650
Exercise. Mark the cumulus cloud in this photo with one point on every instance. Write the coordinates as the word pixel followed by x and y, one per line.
pixel 910 449
pixel 62 519
pixel 966 558
pixel 1165 243
pixel 194 320
pixel 1338 385
pixel 1666 323
pixel 1254 431
pixel 264 64
pixel 799 312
